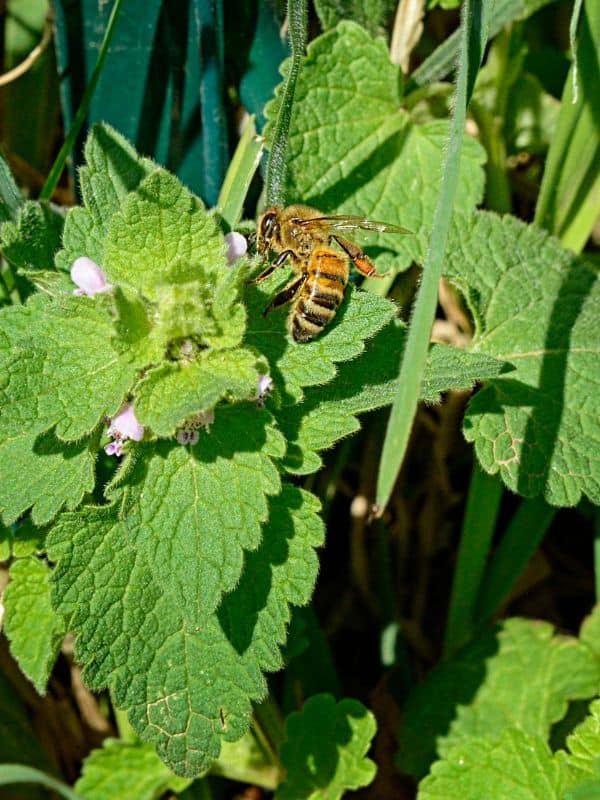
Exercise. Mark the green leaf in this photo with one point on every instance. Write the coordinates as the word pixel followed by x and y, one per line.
pixel 162 235
pixel 324 751
pixel 295 366
pixel 58 367
pixel 186 686
pixel 193 511
pixel 35 631
pixel 45 475
pixel 583 757
pixel 369 383
pixel 164 244
pixel 31 242
pixel 531 115
pixel 372 14
pixel 588 790
pixel 535 307
pixel 516 675
pixel 513 766
pixel 113 169
pixel 171 393
pixel 28 539
pixel 590 630
pixel 127 771
pixel 10 196
pixel 353 149
pixel 21 539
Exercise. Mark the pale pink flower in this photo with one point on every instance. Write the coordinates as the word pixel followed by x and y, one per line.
pixel 114 449
pixel 123 426
pixel 237 246
pixel 89 277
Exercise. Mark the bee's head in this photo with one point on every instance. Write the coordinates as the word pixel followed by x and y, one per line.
pixel 268 230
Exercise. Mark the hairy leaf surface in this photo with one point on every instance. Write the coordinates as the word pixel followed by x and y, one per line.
pixel 35 631
pixel 186 685
pixel 194 510
pixel 46 474
pixel 535 306
pixel 518 674
pixel 58 367
pixel 370 383
pixel 173 392
pixel 296 366
pixel 31 242
pixel 353 149
pixel 113 169
pixel 128 771
pixel 513 766
pixel 324 750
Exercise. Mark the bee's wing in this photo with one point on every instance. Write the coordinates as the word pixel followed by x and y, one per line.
pixel 349 222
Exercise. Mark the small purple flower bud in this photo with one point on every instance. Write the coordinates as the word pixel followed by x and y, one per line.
pixel 187 436
pixel 114 449
pixel 237 246
pixel 125 425
pixel 89 277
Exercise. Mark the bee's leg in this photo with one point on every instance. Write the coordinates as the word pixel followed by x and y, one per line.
pixel 286 294
pixel 272 267
pixel 361 260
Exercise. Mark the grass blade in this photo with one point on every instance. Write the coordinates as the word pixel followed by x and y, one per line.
pixel 239 176
pixel 69 143
pixel 521 539
pixel 441 62
pixel 209 18
pixel 569 200
pixel 10 196
pixel 474 36
pixel 479 523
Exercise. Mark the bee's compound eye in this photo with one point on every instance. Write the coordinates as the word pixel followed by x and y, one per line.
pixel 268 225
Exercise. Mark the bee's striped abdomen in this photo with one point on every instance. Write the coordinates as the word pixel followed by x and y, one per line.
pixel 321 294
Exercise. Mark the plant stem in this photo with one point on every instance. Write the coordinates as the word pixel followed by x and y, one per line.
pixel 276 167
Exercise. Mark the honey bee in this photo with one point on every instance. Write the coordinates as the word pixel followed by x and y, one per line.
pixel 303 236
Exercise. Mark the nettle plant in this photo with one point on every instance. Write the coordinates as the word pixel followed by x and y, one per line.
pixel 144 355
